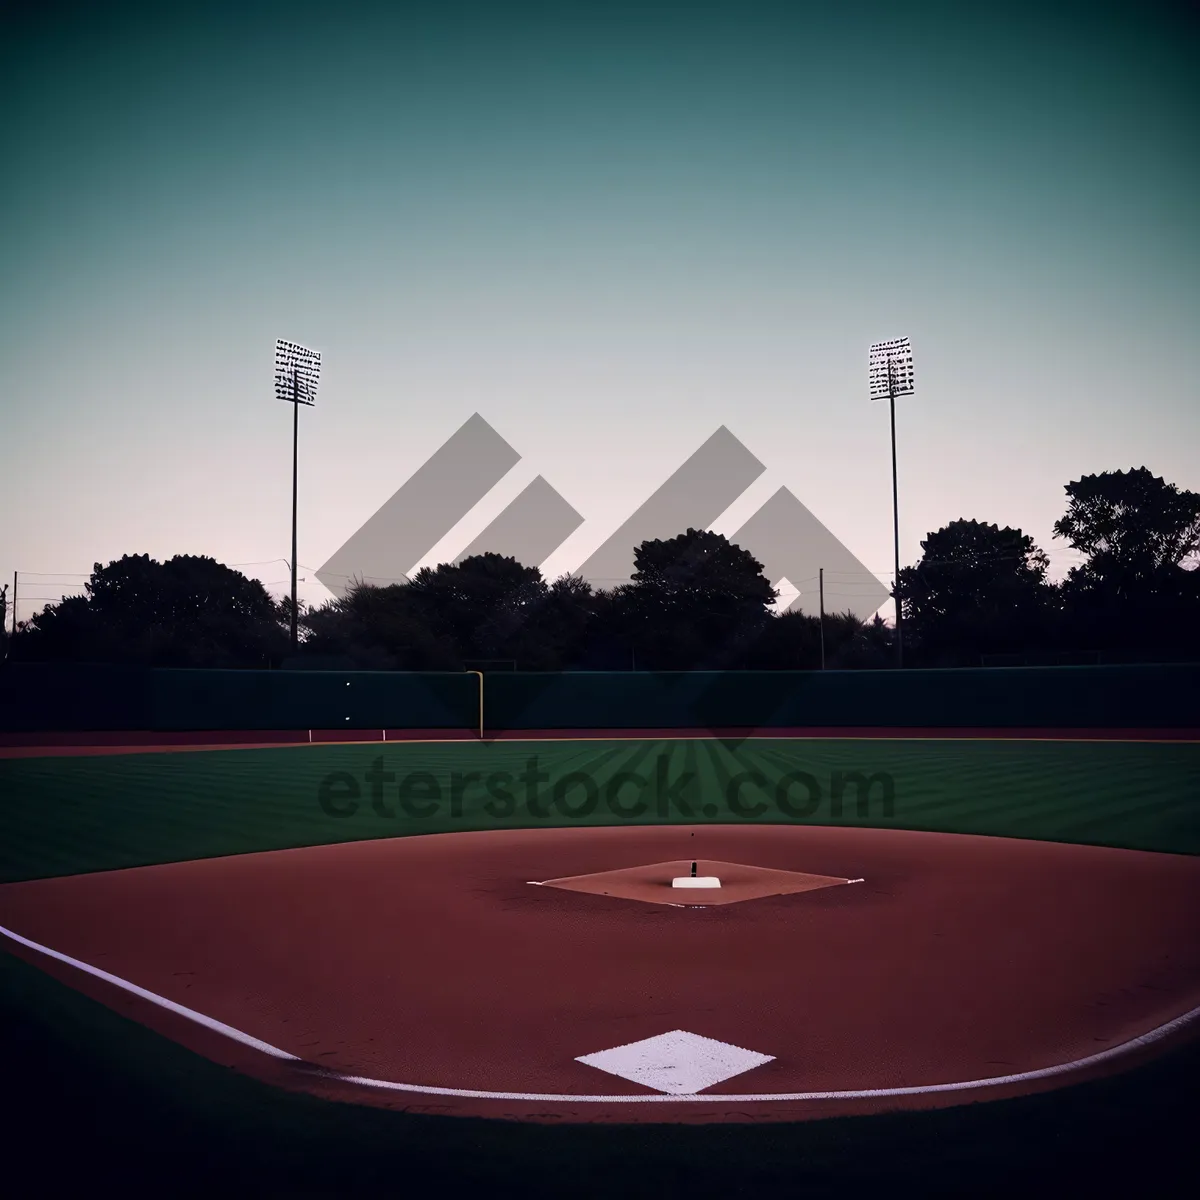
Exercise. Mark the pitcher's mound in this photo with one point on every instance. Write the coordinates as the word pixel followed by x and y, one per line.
pixel 653 883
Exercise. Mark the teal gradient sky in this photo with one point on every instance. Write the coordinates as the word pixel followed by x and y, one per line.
pixel 608 232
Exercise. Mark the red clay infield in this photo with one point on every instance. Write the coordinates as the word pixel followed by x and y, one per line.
pixel 432 962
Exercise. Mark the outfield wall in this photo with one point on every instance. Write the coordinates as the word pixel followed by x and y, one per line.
pixel 38 697
pixel 70 697
pixel 1127 696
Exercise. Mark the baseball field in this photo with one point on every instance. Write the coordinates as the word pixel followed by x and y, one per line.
pixel 483 934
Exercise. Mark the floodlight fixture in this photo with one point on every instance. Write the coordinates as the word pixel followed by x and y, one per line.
pixel 297 373
pixel 890 374
pixel 890 371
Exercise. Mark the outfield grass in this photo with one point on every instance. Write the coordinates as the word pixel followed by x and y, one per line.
pixel 69 815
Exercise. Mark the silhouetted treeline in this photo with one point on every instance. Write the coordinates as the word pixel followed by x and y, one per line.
pixel 981 592
pixel 978 593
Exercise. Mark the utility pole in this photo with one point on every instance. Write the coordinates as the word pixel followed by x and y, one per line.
pixel 822 590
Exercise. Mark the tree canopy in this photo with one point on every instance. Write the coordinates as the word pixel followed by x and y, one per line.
pixel 1132 524
pixel 1135 588
pixel 187 611
pixel 696 600
pixel 976 588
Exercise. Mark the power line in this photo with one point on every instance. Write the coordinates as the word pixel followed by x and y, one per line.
pixel 376 578
pixel 264 562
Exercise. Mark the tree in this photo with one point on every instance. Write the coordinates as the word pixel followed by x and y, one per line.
pixel 486 607
pixel 188 611
pixel 790 641
pixel 1135 589
pixel 852 642
pixel 977 589
pixel 1133 524
pixel 378 628
pixel 694 600
pixel 550 630
pixel 479 604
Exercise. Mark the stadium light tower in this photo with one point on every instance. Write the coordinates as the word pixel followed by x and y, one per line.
pixel 297 373
pixel 890 374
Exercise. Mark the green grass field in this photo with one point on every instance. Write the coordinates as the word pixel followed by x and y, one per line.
pixel 68 815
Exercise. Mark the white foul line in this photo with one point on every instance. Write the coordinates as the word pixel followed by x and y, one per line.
pixel 245 1039
pixel 190 1013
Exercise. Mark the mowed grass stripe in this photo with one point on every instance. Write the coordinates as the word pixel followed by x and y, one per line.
pixel 1078 792
pixel 1042 781
pixel 71 815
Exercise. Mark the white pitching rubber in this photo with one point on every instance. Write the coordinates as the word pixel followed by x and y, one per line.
pixel 696 881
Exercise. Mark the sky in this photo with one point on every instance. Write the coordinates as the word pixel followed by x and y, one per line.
pixel 609 230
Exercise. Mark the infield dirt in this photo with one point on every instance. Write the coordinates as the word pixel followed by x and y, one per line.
pixel 431 962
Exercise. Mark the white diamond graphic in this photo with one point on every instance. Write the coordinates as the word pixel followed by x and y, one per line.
pixel 678 1062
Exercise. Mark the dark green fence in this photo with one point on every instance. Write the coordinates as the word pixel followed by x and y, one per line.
pixel 1134 696
pixel 37 697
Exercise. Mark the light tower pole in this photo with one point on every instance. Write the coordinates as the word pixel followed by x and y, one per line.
pixel 890 374
pixel 295 494
pixel 297 373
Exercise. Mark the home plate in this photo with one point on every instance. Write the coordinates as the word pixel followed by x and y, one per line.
pixel 678 1063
